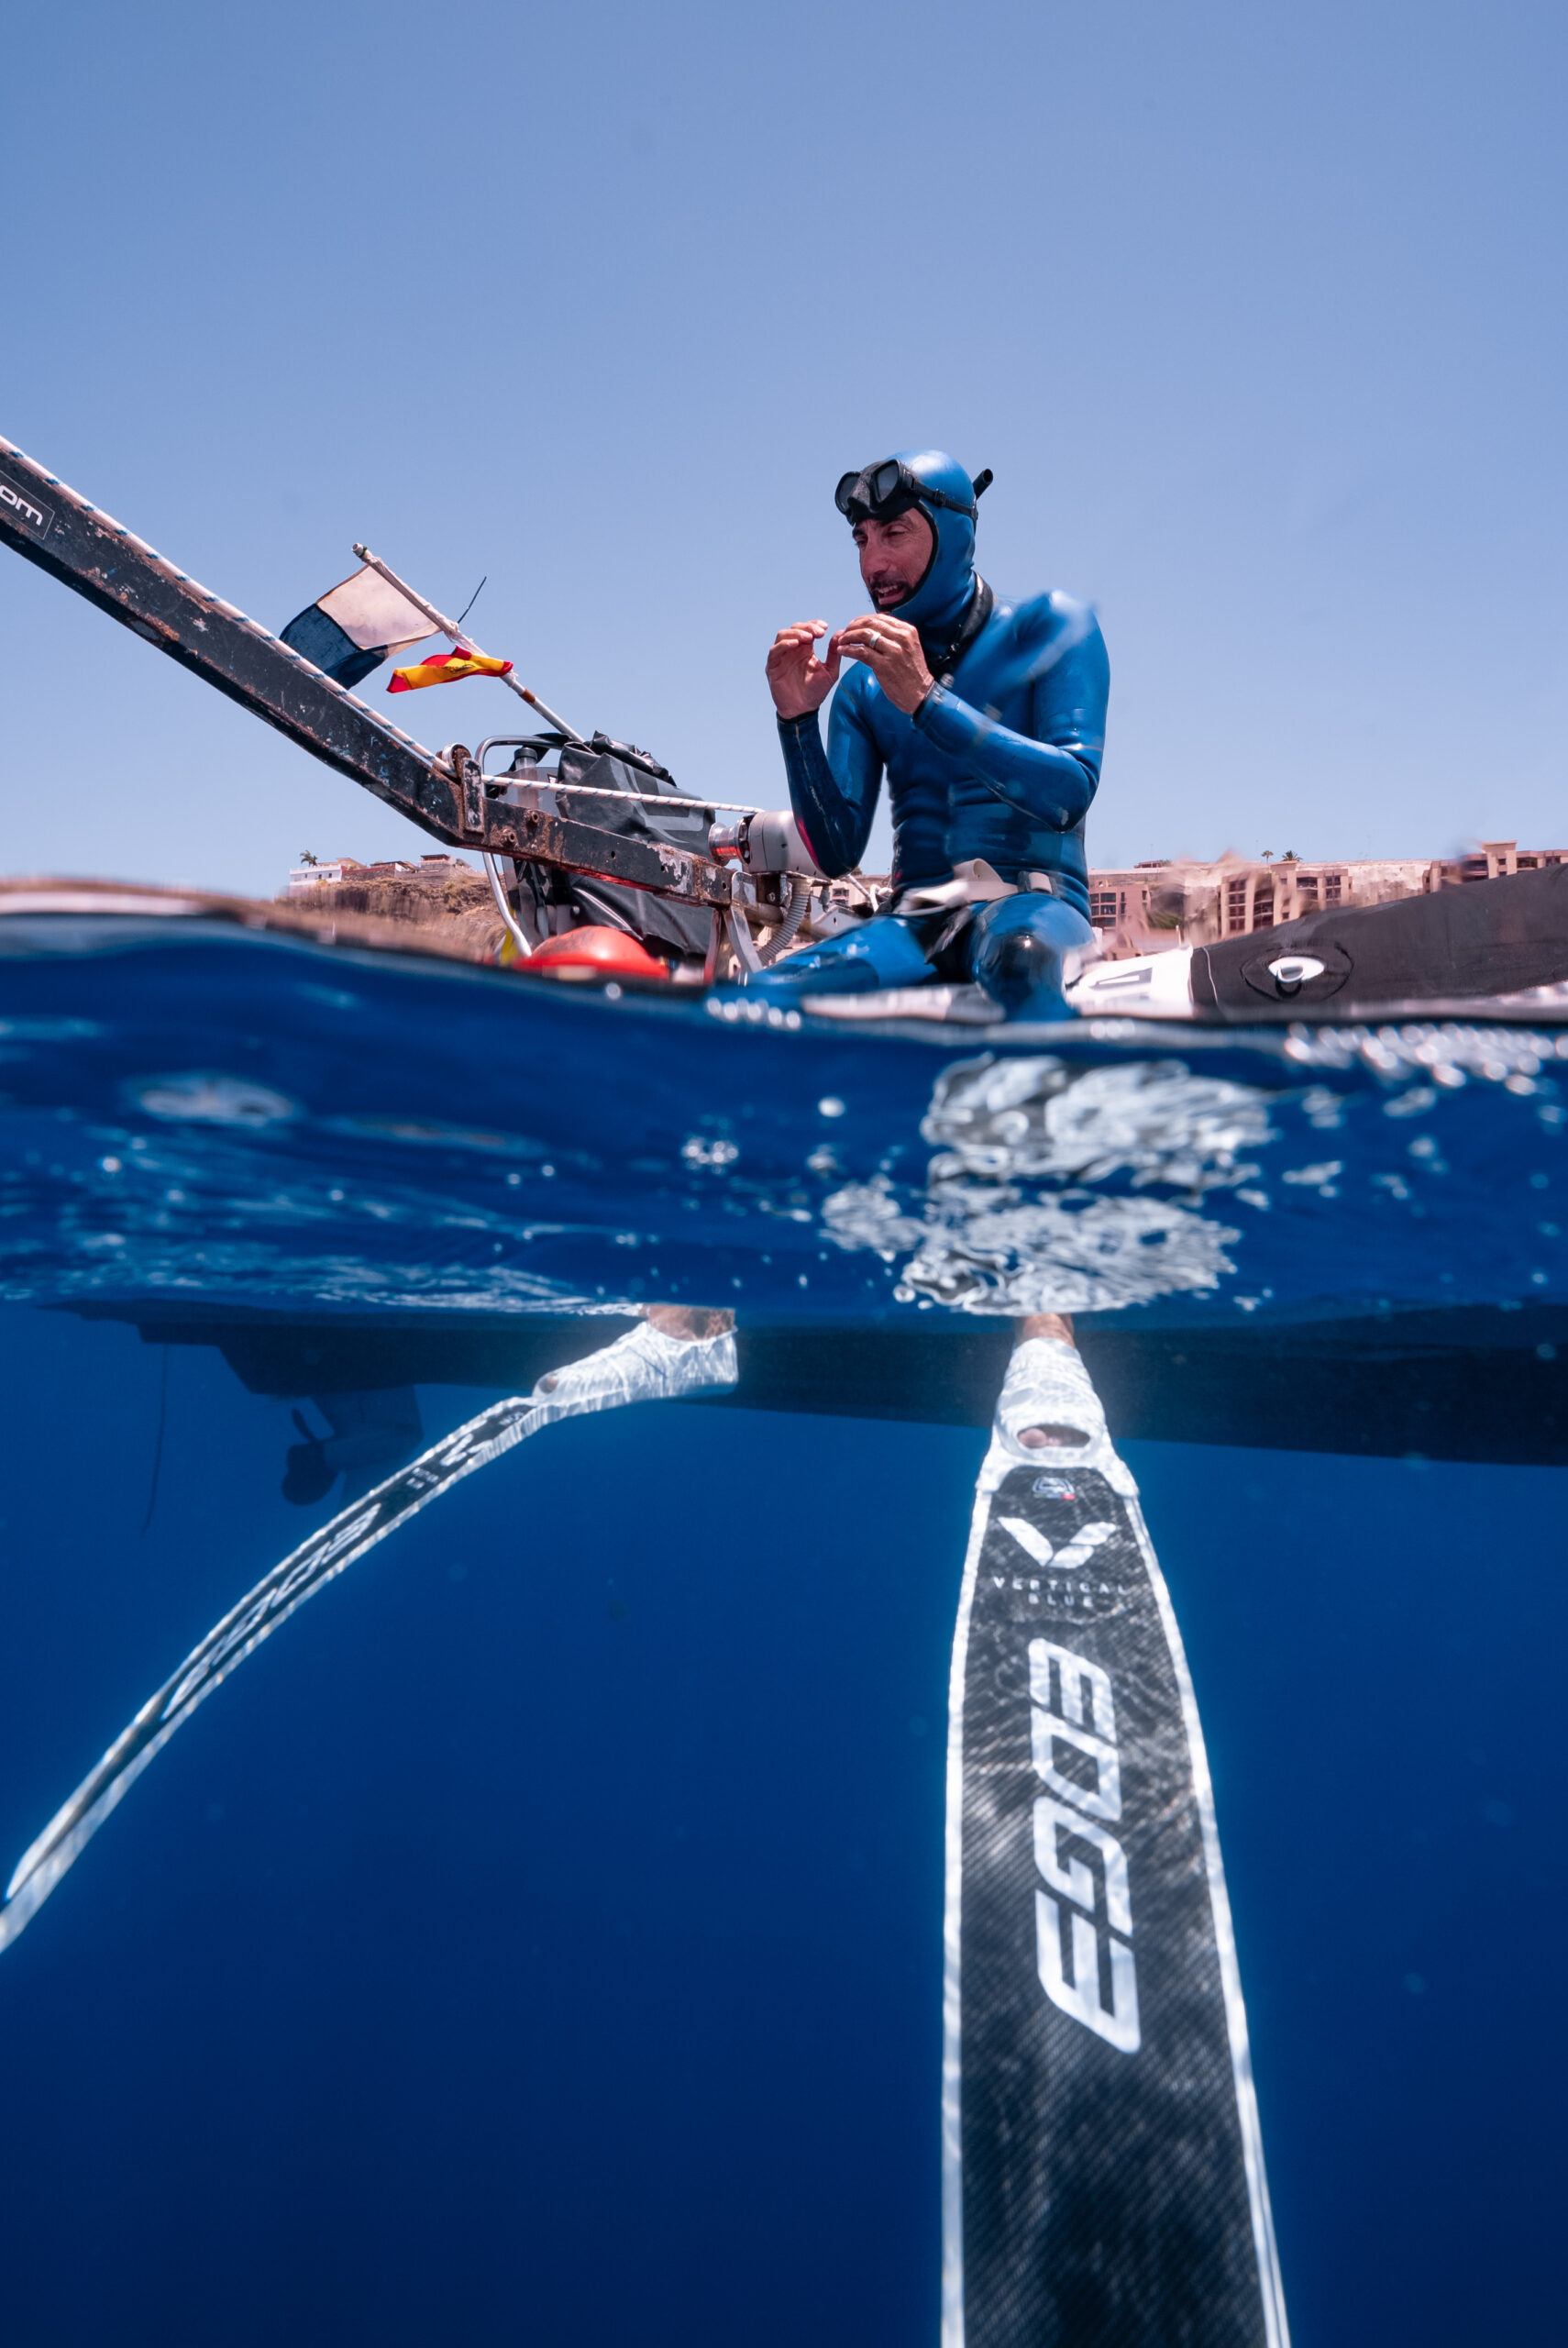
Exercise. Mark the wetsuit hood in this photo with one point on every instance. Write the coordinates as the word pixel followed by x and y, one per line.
pixel 949 582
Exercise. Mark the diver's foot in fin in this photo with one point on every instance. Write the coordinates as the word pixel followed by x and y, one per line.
pixel 1047 1401
pixel 649 1363
pixel 1056 1328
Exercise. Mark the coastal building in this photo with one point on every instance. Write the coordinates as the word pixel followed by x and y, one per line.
pixel 1179 901
pixel 1168 901
pixel 306 878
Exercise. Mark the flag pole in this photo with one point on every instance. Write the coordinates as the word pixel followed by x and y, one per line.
pixel 445 627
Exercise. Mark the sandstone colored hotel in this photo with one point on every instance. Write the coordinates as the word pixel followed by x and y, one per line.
pixel 1179 902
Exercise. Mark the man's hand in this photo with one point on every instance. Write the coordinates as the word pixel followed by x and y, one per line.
pixel 798 680
pixel 891 650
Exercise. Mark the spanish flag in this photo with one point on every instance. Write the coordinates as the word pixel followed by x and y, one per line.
pixel 443 667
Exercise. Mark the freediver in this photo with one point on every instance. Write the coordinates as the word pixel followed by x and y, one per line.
pixel 987 719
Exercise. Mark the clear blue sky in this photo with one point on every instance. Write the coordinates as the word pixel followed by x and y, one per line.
pixel 1256 313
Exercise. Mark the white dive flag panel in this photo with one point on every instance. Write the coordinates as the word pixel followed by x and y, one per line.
pixel 1103 2171
pixel 373 615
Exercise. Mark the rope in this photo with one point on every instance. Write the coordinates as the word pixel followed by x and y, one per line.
pixel 607 791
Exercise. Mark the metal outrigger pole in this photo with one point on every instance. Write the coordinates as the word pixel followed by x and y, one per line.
pixel 445 795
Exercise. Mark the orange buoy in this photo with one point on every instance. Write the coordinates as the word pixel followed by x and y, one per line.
pixel 593 952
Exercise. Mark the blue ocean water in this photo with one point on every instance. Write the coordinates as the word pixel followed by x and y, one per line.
pixel 539 1939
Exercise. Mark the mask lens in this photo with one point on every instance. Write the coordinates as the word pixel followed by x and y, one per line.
pixel 846 496
pixel 883 479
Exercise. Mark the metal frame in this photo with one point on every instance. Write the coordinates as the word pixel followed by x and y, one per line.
pixel 445 795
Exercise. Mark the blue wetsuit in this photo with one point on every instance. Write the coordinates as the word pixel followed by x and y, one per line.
pixel 998 763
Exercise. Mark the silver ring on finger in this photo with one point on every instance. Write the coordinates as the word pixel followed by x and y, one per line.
pixel 876 641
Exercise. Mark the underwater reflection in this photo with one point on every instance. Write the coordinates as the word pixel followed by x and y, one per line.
pixel 1337 1240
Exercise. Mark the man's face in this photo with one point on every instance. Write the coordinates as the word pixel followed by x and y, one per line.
pixel 894 556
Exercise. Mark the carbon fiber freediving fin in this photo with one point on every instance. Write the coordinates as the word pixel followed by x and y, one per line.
pixel 1103 2164
pixel 647 1364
